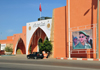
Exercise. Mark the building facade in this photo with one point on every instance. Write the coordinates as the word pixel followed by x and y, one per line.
pixel 72 32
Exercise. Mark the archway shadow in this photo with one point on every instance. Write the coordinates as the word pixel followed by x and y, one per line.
pixel 39 33
pixel 21 46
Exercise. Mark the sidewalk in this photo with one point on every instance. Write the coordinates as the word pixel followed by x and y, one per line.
pixel 19 56
pixel 13 56
pixel 86 59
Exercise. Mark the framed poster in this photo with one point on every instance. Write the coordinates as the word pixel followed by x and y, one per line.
pixel 82 39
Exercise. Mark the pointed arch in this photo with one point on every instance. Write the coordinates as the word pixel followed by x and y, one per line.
pixel 39 33
pixel 20 45
pixel 33 26
pixel 46 38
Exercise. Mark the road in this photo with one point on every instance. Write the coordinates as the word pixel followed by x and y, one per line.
pixel 22 63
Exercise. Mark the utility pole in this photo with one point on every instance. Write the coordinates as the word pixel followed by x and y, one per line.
pixel 97 30
pixel 69 25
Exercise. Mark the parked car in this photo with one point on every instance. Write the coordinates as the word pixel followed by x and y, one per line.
pixel 35 55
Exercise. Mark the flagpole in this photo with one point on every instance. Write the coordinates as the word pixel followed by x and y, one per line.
pixel 40 11
pixel 40 15
pixel 40 20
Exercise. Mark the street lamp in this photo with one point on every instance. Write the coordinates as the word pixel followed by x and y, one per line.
pixel 69 26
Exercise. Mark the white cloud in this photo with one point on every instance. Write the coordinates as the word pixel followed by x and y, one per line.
pixel 10 30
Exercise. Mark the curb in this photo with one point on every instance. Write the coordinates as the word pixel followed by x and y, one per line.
pixel 6 55
pixel 85 59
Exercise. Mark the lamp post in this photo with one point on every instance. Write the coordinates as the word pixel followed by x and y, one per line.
pixel 69 26
pixel 97 29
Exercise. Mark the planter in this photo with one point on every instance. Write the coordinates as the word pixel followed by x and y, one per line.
pixel 8 53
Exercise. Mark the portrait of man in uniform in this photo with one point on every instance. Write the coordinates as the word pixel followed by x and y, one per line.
pixel 82 41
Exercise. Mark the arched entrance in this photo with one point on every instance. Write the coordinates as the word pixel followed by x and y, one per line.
pixel 38 36
pixel 36 30
pixel 20 47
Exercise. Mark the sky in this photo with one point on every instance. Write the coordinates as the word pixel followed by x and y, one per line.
pixel 16 13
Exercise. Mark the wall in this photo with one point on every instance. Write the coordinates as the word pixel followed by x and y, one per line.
pixel 17 38
pixel 9 45
pixel 59 32
pixel 9 40
pixel 24 29
pixel 82 13
pixel 52 36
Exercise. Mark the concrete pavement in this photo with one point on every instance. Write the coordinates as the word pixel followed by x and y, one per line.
pixel 21 61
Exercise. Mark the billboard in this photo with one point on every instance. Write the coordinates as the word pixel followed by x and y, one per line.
pixel 3 46
pixel 82 39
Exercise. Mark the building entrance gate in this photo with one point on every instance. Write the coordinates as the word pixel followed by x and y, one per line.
pixel 35 31
pixel 38 36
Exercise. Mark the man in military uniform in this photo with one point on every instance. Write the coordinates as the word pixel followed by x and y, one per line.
pixel 82 41
pixel 75 41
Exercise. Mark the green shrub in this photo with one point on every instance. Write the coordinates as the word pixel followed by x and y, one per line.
pixel 30 49
pixel 48 46
pixel 41 47
pixel 8 49
pixel 45 46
